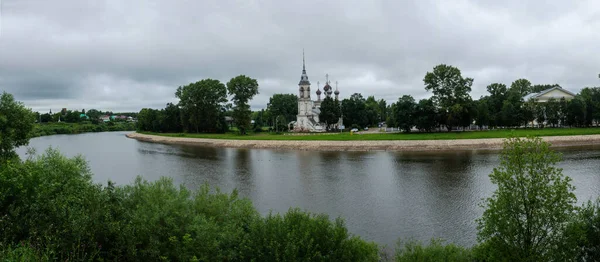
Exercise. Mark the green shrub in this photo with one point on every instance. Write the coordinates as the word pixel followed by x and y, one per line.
pixel 50 203
pixel 414 251
pixel 306 237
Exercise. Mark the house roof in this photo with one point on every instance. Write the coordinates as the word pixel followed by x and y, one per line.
pixel 539 94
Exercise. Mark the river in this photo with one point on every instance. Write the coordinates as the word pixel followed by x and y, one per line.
pixel 382 196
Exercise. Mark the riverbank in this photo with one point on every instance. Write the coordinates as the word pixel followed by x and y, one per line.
pixel 48 129
pixel 363 145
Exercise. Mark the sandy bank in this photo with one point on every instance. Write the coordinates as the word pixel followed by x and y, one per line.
pixel 382 145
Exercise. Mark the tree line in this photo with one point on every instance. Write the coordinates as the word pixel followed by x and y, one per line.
pixel 451 106
pixel 203 106
pixel 74 116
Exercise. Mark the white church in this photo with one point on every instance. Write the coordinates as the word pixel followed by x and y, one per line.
pixel 307 119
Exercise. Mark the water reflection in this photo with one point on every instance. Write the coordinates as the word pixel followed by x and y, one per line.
pixel 381 195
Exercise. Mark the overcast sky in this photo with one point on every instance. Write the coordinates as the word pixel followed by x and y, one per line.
pixel 126 55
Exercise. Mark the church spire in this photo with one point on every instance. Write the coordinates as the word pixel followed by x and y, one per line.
pixel 303 63
pixel 304 76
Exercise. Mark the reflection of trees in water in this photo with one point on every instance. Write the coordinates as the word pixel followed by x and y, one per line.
pixel 447 187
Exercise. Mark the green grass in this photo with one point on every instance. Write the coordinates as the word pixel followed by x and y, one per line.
pixel 396 136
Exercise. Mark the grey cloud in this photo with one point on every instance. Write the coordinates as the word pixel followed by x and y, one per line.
pixel 125 55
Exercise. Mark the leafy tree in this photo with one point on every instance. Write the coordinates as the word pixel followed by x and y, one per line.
pixel 425 116
pixel 16 124
pixel 283 104
pixel 171 119
pixel 46 118
pixel 540 114
pixel 201 104
pixel 591 97
pixel 564 108
pixel 585 230
pixel 512 110
pixel 94 114
pixel 553 112
pixel 391 118
pixel 242 88
pixel 405 112
pixel 353 110
pixel 528 111
pixel 382 110
pixel 73 117
pixel 521 87
pixel 330 111
pixel 372 108
pixel 576 112
pixel 526 217
pixel 498 93
pixel 482 116
pixel 450 92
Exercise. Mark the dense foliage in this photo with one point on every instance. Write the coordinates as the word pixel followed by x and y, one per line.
pixel 51 209
pixel 410 251
pixel 242 89
pixel 16 123
pixel 330 112
pixel 527 216
pixel 285 105
pixel 48 129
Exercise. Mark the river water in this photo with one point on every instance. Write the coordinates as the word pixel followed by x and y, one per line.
pixel 382 196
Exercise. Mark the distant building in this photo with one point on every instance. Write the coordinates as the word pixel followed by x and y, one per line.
pixel 307 119
pixel 556 92
pixel 105 118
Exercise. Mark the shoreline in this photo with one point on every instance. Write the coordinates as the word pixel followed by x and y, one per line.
pixel 363 145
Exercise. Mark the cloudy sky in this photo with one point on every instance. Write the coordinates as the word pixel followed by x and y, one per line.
pixel 126 55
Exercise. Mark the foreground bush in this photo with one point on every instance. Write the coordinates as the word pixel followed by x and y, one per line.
pixel 414 251
pixel 51 210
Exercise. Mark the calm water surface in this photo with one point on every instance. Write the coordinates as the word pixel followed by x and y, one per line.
pixel 381 195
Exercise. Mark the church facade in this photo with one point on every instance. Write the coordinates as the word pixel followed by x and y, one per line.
pixel 307 119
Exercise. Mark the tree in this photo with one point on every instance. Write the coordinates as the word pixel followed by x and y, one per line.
pixel 482 116
pixel 16 124
pixel 353 111
pixel 372 108
pixel 201 104
pixel 405 112
pixel 382 110
pixel 283 104
pixel 498 93
pixel 170 120
pixel 242 88
pixel 330 111
pixel 526 217
pixel 450 92
pixel 529 108
pixel 521 87
pixel 576 112
pixel 552 112
pixel 425 117
pixel 72 117
pixel 591 96
pixel 45 118
pixel 540 114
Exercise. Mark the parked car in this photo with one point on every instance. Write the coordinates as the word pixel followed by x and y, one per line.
pixel 366 128
pixel 354 130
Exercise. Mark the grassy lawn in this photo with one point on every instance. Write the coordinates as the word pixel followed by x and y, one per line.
pixel 398 136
